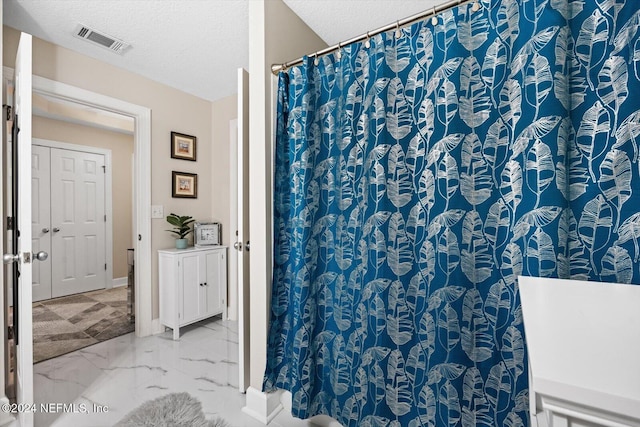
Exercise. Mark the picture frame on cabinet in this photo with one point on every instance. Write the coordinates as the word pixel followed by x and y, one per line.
pixel 207 234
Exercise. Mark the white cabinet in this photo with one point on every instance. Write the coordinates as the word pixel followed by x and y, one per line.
pixel 193 285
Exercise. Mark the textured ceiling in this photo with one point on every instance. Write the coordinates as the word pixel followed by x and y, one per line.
pixel 193 45
pixel 339 20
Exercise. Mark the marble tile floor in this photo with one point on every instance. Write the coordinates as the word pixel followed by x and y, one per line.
pixel 126 371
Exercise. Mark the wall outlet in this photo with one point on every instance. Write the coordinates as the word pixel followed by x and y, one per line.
pixel 157 211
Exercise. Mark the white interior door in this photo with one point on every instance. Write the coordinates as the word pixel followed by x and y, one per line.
pixel 78 222
pixel 70 200
pixel 232 271
pixel 242 243
pixel 41 219
pixel 23 321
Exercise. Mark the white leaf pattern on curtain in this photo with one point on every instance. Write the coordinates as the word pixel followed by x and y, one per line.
pixel 417 178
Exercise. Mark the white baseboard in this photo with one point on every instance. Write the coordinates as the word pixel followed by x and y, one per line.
pixel 119 281
pixel 5 417
pixel 153 328
pixel 157 327
pixel 262 406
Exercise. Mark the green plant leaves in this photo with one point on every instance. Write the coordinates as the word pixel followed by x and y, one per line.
pixel 181 225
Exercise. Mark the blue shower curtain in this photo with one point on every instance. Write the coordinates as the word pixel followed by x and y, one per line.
pixel 417 175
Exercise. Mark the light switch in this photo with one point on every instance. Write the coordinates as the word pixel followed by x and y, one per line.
pixel 157 211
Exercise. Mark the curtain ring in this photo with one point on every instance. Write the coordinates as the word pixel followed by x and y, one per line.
pixel 316 61
pixel 476 6
pixel 398 32
pixel 339 53
pixel 367 44
pixel 434 17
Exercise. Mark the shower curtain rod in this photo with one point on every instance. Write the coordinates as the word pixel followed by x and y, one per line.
pixel 276 68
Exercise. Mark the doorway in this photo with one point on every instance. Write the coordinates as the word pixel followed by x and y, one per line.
pixel 81 293
pixel 142 206
pixel 141 178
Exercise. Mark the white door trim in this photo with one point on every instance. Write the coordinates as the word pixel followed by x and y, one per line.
pixel 243 212
pixel 142 182
pixel 108 202
pixel 233 292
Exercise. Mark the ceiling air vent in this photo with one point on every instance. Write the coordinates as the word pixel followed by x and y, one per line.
pixel 100 38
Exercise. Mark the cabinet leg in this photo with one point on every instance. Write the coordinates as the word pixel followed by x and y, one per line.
pixel 176 334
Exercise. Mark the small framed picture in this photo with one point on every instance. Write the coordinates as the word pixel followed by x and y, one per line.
pixel 207 233
pixel 184 185
pixel 183 146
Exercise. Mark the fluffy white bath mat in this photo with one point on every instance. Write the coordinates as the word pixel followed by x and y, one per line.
pixel 172 410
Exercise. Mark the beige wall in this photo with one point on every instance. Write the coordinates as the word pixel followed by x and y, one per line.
pixel 121 146
pixel 276 35
pixel 222 111
pixel 171 110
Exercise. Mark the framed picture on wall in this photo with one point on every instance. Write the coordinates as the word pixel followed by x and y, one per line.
pixel 183 146
pixel 184 185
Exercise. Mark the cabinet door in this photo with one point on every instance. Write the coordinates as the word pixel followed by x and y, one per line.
pixel 216 281
pixel 202 291
pixel 192 296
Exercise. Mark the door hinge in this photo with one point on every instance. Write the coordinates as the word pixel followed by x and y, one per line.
pixel 10 223
pixel 8 107
pixel 104 169
pixel 105 218
pixel 105 267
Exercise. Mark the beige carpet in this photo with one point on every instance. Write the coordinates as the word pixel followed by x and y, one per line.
pixel 65 324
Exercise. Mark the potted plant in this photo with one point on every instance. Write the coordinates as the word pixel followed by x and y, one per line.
pixel 180 228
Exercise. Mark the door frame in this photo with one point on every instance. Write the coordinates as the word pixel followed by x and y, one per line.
pixel 141 178
pixel 232 277
pixel 108 195
pixel 243 212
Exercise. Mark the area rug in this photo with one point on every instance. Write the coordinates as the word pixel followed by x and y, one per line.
pixel 171 410
pixel 65 324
